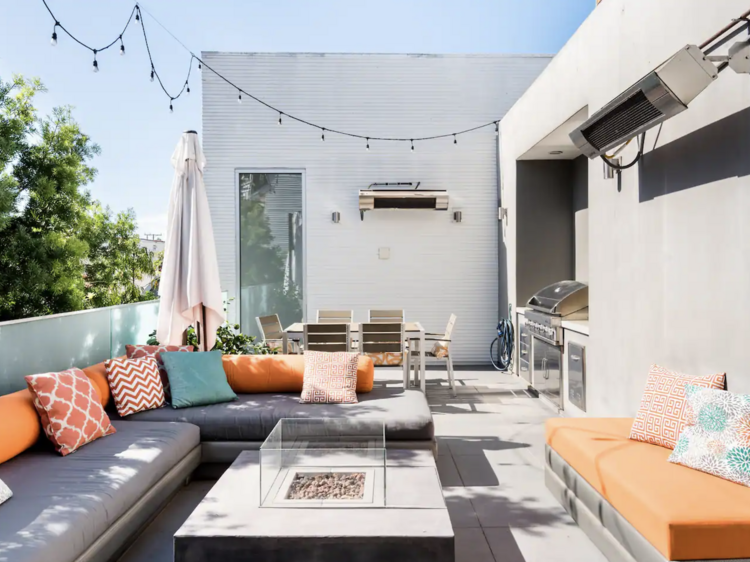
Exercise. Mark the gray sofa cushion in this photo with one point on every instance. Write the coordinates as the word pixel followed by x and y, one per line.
pixel 253 416
pixel 61 505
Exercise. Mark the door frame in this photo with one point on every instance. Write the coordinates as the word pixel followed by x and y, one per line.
pixel 235 305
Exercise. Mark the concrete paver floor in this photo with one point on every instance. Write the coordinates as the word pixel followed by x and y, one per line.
pixel 491 465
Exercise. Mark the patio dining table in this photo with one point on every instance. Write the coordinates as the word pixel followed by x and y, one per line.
pixel 413 330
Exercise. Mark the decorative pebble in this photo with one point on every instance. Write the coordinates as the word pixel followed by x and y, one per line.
pixel 328 486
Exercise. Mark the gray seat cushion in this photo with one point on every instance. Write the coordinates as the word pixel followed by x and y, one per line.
pixel 61 505
pixel 252 417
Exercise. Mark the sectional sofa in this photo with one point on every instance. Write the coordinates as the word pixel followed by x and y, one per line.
pixel 634 505
pixel 89 506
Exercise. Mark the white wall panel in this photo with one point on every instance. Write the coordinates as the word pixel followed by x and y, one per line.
pixel 436 267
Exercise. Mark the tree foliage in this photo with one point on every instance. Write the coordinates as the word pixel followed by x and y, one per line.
pixel 59 250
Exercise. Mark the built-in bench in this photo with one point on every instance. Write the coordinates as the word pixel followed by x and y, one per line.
pixel 634 504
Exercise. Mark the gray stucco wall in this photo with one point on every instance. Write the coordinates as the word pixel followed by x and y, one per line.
pixel 669 251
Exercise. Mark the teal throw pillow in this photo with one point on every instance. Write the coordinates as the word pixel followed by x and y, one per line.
pixel 197 379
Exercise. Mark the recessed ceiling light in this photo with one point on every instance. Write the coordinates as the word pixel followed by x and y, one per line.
pixel 556 152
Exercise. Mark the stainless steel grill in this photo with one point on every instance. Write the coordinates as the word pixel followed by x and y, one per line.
pixel 564 300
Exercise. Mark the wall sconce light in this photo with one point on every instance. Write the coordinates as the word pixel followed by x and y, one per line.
pixel 609 171
pixel 335 217
pixel 457 216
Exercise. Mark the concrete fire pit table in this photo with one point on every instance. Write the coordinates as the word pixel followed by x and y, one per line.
pixel 405 519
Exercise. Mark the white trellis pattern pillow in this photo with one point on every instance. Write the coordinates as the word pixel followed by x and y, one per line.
pixel 5 493
pixel 717 437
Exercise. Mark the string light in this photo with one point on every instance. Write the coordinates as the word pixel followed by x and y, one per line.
pixel 171 109
pixel 137 15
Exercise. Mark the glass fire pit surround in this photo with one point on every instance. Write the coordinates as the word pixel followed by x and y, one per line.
pixel 327 462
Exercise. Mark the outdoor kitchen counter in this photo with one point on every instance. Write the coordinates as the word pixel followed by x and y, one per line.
pixel 580 326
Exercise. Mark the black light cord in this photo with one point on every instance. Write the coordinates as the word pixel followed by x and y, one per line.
pixel 81 43
pixel 631 164
pixel 201 63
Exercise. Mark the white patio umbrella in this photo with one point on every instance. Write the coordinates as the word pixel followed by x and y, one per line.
pixel 189 291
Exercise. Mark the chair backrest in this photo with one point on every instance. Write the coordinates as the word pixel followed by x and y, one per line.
pixel 335 316
pixel 270 327
pixel 395 316
pixel 382 339
pixel 449 327
pixel 327 337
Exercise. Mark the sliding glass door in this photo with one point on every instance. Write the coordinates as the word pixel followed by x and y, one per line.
pixel 270 247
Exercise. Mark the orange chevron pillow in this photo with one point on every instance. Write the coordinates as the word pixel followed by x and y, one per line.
pixel 136 385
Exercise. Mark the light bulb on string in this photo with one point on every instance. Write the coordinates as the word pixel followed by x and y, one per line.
pixel 280 114
pixel 368 145
pixel 455 140
pixel 187 88
pixel 239 97
pixel 323 135
pixel 53 41
pixel 497 129
pixel 171 109
pixel 200 66
pixel 122 47
pixel 152 74
pixel 96 64
pixel 137 16
pixel 412 145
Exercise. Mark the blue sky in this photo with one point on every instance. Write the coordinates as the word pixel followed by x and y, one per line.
pixel 128 116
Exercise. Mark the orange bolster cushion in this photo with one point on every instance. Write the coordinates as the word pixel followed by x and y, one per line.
pixel 97 374
pixel 20 427
pixel 255 374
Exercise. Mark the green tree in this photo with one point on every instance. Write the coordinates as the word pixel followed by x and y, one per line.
pixel 116 261
pixel 54 240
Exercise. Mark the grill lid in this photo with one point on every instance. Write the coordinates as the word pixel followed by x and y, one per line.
pixel 562 298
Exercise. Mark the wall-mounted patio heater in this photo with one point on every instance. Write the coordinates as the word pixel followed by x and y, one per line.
pixel 661 94
pixel 394 196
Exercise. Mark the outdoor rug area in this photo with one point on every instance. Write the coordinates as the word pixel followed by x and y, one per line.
pixel 491 466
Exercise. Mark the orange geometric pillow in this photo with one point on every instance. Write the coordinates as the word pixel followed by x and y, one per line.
pixel 330 378
pixel 138 351
pixel 662 415
pixel 69 407
pixel 135 384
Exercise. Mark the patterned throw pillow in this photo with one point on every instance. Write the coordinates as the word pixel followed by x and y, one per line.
pixel 5 493
pixel 135 384
pixel 717 437
pixel 386 358
pixel 69 407
pixel 155 351
pixel 330 378
pixel 440 349
pixel 661 417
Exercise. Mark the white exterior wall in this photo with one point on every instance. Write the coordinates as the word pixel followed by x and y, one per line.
pixel 437 267
pixel 668 276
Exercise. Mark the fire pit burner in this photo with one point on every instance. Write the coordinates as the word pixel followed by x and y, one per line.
pixel 327 486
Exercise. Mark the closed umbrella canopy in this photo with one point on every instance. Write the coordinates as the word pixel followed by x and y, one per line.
pixel 189 291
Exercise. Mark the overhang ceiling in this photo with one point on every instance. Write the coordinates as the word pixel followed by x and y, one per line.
pixel 558 140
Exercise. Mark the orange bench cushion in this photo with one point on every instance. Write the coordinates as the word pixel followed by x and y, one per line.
pixel 255 374
pixel 684 513
pixel 19 424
